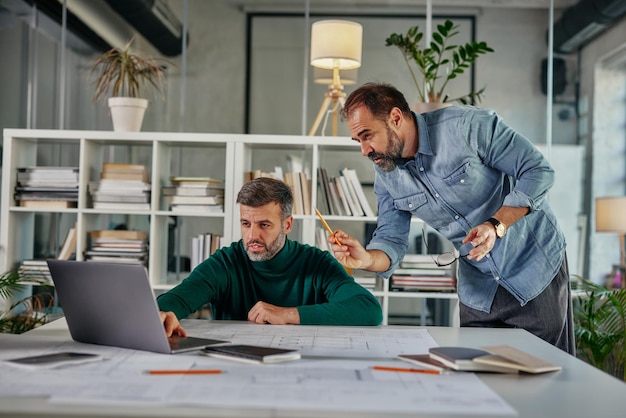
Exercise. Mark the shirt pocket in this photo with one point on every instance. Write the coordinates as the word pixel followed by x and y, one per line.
pixel 410 203
pixel 457 176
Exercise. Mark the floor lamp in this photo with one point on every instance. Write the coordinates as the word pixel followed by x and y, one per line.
pixel 611 217
pixel 335 45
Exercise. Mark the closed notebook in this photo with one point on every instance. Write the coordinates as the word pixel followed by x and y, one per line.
pixel 507 356
pixel 463 359
pixel 423 360
pixel 252 353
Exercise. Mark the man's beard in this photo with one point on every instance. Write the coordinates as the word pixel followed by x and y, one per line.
pixel 270 250
pixel 391 156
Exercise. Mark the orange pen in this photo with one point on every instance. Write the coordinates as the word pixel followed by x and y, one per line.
pixel 403 369
pixel 191 371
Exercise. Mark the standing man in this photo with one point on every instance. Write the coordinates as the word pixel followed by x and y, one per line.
pixel 267 278
pixel 475 180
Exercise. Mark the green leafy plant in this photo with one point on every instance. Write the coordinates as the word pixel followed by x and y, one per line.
pixel 124 74
pixel 439 56
pixel 26 313
pixel 600 327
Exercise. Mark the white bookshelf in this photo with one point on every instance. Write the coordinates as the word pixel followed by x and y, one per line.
pixel 222 156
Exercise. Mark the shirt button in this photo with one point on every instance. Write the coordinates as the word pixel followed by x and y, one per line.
pixel 488 256
pixel 462 181
pixel 421 168
pixel 456 217
pixel 410 205
pixel 497 278
pixel 436 194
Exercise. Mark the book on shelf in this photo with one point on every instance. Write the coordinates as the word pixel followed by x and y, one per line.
pixel 111 167
pixel 47 174
pixel 69 244
pixel 357 209
pixel 334 197
pixel 344 194
pixel 195 200
pixel 119 234
pixel 352 178
pixel 192 190
pixel 47 204
pixel 305 189
pixel 121 206
pixel 140 197
pixel 324 203
pixel 124 176
pixel 197 208
pixel 189 181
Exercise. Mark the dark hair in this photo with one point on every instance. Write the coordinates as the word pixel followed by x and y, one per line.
pixel 264 190
pixel 379 98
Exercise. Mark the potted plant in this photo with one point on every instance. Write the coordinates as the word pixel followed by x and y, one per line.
pixel 26 313
pixel 439 63
pixel 125 78
pixel 600 327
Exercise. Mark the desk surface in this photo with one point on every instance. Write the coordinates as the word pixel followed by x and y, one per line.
pixel 578 390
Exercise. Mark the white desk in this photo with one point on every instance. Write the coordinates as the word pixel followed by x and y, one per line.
pixel 579 390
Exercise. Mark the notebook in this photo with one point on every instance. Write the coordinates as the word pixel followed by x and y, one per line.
pixel 112 304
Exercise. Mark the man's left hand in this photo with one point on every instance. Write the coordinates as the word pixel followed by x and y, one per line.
pixel 265 313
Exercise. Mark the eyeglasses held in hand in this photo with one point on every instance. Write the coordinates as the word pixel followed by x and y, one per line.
pixel 447 258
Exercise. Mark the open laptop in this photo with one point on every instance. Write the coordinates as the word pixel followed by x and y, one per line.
pixel 112 304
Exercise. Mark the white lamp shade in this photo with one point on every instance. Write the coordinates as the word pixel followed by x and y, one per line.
pixel 611 214
pixel 336 44
pixel 325 76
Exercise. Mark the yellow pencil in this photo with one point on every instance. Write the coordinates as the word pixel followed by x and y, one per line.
pixel 330 231
pixel 190 371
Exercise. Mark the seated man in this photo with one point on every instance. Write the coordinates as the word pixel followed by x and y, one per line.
pixel 267 278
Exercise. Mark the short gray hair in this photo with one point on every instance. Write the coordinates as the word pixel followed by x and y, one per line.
pixel 264 190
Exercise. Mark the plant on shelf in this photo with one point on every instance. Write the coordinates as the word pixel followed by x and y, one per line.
pixel 439 63
pixel 125 78
pixel 600 327
pixel 24 314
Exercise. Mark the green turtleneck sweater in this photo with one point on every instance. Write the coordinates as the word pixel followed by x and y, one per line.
pixel 298 276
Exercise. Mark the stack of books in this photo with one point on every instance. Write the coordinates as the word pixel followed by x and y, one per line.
pixel 203 246
pixel 118 246
pixel 298 181
pixel 121 186
pixel 419 272
pixel 35 271
pixel 47 187
pixel 343 195
pixel 194 195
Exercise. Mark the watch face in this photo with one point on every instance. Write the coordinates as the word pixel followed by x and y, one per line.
pixel 500 230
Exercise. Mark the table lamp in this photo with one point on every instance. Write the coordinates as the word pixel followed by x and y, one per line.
pixel 325 76
pixel 335 45
pixel 611 217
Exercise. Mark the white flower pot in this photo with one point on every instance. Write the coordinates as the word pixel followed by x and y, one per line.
pixel 127 113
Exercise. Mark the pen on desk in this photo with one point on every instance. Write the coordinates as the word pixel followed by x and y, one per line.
pixel 319 215
pixel 403 369
pixel 190 371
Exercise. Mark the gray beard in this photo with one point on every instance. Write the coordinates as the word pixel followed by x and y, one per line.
pixel 270 250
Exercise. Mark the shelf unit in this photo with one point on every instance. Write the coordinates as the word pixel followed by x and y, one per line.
pixel 222 156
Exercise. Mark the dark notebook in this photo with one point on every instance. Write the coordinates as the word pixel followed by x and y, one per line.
pixel 252 353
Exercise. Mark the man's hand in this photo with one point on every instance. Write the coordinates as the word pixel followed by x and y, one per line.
pixel 483 238
pixel 265 313
pixel 172 326
pixel 353 255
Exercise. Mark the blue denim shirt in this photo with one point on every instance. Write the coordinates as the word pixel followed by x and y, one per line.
pixel 468 164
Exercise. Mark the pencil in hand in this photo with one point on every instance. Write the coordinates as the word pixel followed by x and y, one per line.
pixel 330 231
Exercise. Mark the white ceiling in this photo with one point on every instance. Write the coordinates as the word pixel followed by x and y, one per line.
pixel 385 5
